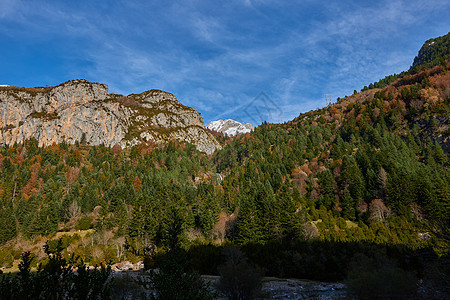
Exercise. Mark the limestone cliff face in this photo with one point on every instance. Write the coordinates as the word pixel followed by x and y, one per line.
pixel 79 109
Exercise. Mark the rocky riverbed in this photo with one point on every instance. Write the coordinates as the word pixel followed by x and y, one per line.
pixel 130 281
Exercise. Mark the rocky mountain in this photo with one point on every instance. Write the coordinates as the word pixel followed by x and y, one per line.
pixel 433 52
pixel 230 127
pixel 86 112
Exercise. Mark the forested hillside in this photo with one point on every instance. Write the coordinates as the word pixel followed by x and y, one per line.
pixel 367 173
pixel 374 159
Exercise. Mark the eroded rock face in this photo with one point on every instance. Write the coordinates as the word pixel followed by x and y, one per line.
pixel 79 110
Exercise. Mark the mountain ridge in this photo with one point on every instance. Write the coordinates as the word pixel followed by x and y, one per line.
pixel 81 111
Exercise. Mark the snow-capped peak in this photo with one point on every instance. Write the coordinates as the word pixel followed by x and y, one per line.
pixel 230 127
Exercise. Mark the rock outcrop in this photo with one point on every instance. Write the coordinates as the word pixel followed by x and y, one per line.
pixel 230 127
pixel 86 112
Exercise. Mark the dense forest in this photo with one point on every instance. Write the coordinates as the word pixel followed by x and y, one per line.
pixel 368 174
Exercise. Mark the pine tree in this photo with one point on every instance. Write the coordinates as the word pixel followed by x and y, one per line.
pixel 348 205
pixel 7 225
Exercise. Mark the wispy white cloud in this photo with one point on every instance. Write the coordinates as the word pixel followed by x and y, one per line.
pixel 206 28
pixel 217 58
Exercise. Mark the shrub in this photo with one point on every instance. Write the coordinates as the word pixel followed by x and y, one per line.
pixel 57 279
pixel 84 223
pixel 379 278
pixel 171 282
pixel 6 258
pixel 238 278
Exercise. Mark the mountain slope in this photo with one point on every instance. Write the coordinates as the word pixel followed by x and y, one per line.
pixel 378 158
pixel 367 176
pixel 82 111
pixel 433 52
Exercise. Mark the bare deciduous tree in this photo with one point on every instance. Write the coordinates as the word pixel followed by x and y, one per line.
pixel 72 177
pixel 74 210
pixel 378 211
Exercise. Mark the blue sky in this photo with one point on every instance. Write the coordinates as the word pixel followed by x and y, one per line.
pixel 218 56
